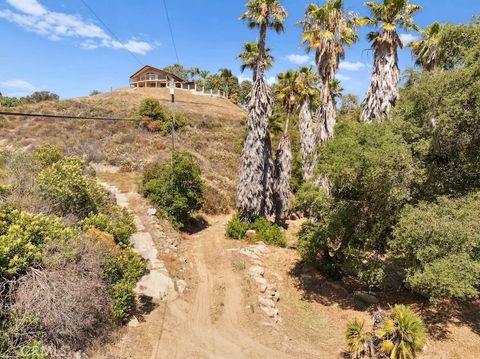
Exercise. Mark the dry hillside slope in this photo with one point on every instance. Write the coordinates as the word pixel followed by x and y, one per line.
pixel 213 133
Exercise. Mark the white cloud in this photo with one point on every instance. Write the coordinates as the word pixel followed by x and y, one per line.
pixel 298 59
pixel 271 80
pixel 242 78
pixel 18 85
pixel 352 66
pixel 32 7
pixel 408 38
pixel 342 77
pixel 34 17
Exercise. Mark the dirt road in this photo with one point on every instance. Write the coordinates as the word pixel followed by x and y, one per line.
pixel 207 321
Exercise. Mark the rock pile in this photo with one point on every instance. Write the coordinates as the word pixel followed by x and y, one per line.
pixel 269 294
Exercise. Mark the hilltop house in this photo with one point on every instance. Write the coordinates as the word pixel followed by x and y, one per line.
pixel 149 76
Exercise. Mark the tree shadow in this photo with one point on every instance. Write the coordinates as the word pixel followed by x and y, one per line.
pixel 145 305
pixel 195 225
pixel 437 317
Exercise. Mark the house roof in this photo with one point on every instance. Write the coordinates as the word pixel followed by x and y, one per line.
pixel 151 68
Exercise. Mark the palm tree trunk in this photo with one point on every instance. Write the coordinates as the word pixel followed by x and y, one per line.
pixel 283 172
pixel 326 115
pixel 383 91
pixel 261 50
pixel 307 140
pixel 255 194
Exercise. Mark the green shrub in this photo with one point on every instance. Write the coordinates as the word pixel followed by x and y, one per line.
pixel 153 110
pixel 236 228
pixel 267 232
pixel 33 350
pixel 123 298
pixel 69 190
pixel 23 237
pixel 114 220
pixel 371 173
pixel 439 246
pixel 47 154
pixel 177 188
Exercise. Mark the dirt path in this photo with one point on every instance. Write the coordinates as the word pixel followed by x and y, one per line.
pixel 207 322
pixel 209 327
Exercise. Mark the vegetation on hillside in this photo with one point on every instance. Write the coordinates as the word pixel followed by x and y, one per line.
pixel 403 192
pixel 67 271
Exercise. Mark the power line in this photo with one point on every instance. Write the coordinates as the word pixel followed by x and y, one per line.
pixel 64 117
pixel 111 32
pixel 171 31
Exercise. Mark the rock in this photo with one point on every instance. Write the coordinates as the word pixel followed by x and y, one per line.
pixel 271 286
pixel 260 280
pixel 156 285
pixel 261 247
pixel 293 217
pixel 247 252
pixel 266 302
pixel 152 211
pixel 306 276
pixel 181 286
pixel 365 297
pixel 133 323
pixel 262 288
pixel 271 312
pixel 251 233
pixel 256 271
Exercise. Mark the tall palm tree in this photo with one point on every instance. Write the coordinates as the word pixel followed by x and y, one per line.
pixel 307 89
pixel 425 50
pixel 326 30
pixel 250 55
pixel 287 95
pixel 386 16
pixel 255 189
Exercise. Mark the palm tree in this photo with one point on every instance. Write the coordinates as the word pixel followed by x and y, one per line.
pixel 425 50
pixel 326 30
pixel 287 95
pixel 307 89
pixel 250 55
pixel 255 189
pixel 386 16
pixel 264 14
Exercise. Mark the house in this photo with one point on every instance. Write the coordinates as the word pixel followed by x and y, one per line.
pixel 149 76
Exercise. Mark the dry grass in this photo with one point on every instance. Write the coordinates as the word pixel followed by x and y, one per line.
pixel 213 133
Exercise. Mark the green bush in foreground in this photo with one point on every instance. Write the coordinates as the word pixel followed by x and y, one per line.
pixel 176 188
pixel 69 190
pixel 267 232
pixel 400 334
pixel 115 220
pixel 23 237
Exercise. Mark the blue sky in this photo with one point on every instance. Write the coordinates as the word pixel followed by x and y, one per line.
pixel 59 45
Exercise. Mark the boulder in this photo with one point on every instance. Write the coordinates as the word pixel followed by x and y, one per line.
pixel 152 211
pixel 251 233
pixel 266 302
pixel 365 297
pixel 271 312
pixel 256 271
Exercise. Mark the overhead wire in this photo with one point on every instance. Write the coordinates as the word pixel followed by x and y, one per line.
pixel 111 31
pixel 171 31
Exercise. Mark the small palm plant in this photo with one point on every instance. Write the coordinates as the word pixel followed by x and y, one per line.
pixel 403 334
pixel 356 338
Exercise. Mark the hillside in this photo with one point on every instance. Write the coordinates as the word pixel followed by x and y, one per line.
pixel 214 128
